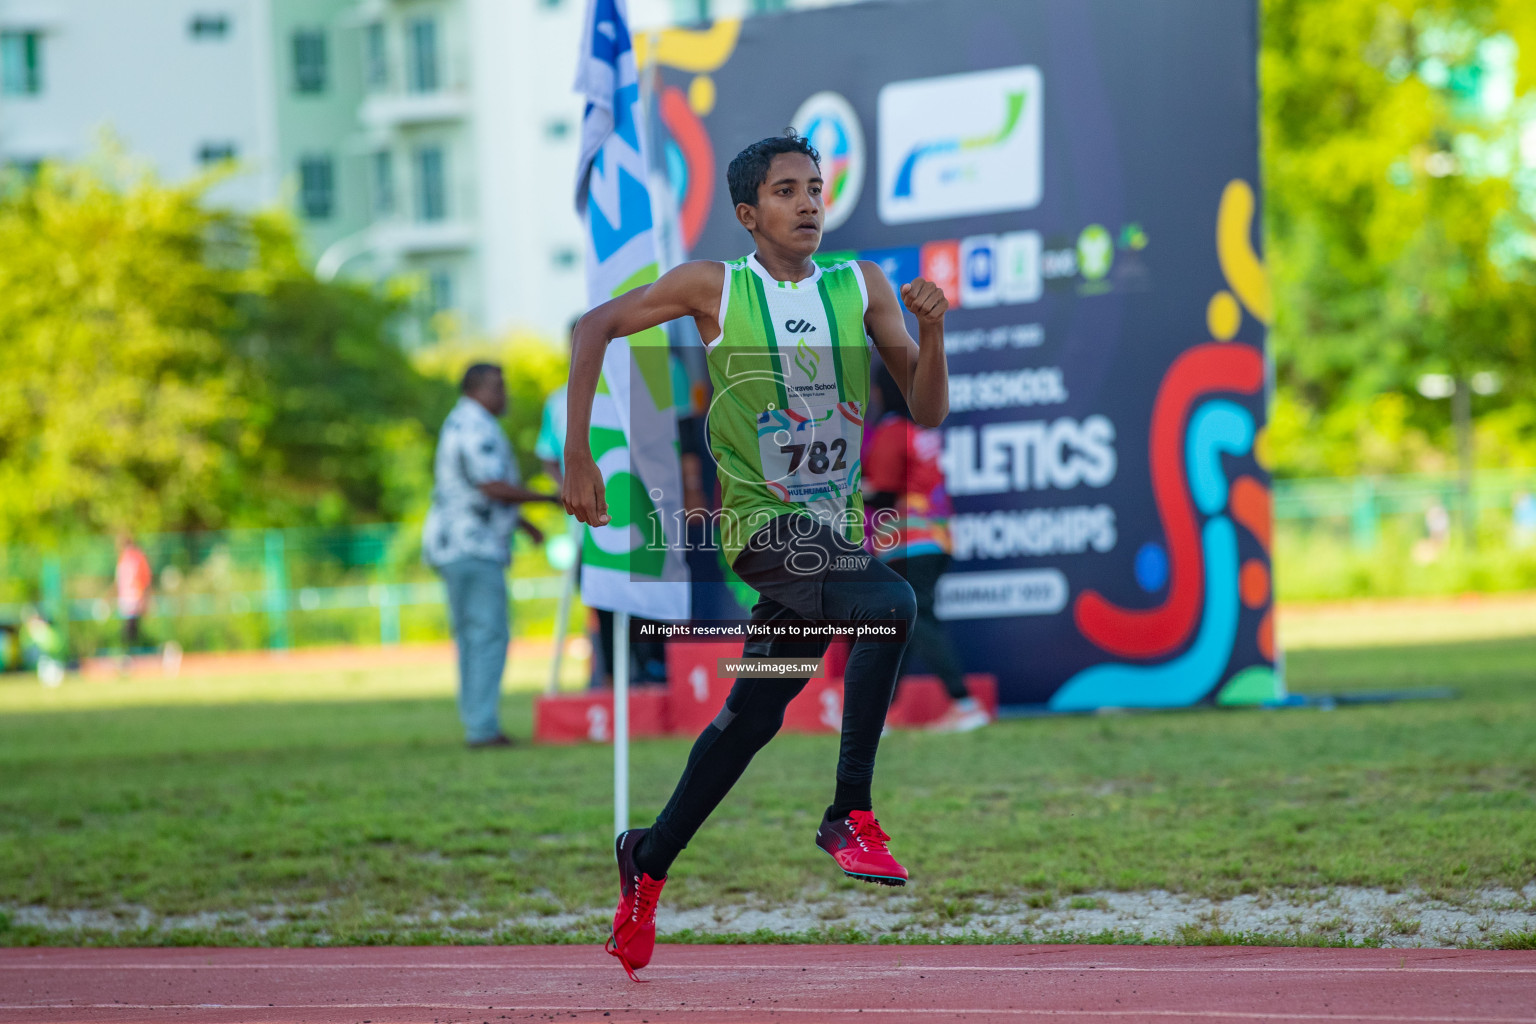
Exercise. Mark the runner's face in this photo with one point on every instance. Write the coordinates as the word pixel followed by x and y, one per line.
pixel 789 211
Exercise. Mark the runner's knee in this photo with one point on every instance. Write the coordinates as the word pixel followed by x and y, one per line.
pixel 757 727
pixel 892 600
pixel 756 720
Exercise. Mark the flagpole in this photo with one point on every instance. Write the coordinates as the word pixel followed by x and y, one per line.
pixel 563 615
pixel 614 200
pixel 620 722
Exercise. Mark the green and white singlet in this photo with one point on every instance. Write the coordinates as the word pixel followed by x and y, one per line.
pixel 791 377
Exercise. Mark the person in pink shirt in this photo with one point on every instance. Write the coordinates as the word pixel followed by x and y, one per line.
pixel 908 513
pixel 133 579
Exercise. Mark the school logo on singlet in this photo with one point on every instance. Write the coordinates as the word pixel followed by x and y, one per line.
pixel 808 359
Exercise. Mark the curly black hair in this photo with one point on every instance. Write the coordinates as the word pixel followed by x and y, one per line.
pixel 749 168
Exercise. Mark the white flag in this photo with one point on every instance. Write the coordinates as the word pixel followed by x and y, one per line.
pixel 635 563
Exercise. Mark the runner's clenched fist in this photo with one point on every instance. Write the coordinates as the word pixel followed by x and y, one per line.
pixel 925 299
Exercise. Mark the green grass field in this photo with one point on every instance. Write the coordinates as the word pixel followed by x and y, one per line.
pixel 340 807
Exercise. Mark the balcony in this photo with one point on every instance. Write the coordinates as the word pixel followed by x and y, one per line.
pixel 387 111
pixel 423 238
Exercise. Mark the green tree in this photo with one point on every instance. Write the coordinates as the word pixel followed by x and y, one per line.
pixel 1399 216
pixel 349 423
pixel 166 365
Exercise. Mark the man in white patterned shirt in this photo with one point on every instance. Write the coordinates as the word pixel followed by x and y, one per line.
pixel 468 540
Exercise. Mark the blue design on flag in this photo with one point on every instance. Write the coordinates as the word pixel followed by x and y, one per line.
pixel 622 570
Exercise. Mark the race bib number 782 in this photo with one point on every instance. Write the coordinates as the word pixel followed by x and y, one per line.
pixel 811 455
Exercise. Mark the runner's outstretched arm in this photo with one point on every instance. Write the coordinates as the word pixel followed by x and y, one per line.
pixel 692 289
pixel 920 368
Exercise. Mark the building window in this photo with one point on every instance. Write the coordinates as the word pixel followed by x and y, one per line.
pixel 21 63
pixel 309 61
pixel 317 186
pixel 376 56
pixel 690 12
pixel 209 26
pixel 439 291
pixel 216 153
pixel 431 184
pixel 383 182
pixel 423 36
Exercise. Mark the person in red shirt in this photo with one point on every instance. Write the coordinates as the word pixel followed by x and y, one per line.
pixel 908 512
pixel 133 579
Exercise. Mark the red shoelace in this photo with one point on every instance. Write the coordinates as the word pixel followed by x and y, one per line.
pixel 867 830
pixel 647 893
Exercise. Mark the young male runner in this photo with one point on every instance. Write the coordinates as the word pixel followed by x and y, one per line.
pixel 790 367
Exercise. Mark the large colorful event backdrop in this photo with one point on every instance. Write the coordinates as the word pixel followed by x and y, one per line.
pixel 1079 177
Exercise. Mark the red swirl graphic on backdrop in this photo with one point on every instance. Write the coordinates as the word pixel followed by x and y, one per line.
pixel 1152 632
pixel 1251 507
pixel 698 154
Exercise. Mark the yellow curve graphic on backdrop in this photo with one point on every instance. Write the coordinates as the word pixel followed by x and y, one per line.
pixel 698 50
pixel 1244 271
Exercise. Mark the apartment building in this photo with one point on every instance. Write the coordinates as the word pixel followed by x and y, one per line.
pixel 434 138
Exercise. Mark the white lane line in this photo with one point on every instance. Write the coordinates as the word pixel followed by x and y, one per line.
pixel 43 965
pixel 773 1008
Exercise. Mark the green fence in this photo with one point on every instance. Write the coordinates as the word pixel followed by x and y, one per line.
pixel 245 589
pixel 1363 508
pixel 1419 535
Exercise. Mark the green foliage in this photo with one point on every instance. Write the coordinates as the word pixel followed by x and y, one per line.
pixel 532 368
pixel 1400 221
pixel 118 403
pixel 347 420
pixel 167 365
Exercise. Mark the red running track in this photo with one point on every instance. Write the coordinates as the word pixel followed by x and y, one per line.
pixel 699 984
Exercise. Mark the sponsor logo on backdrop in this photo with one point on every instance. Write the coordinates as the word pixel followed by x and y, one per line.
pixel 978 271
pixel 1018 267
pixel 899 265
pixel 1095 252
pixel 828 120
pixel 1013 268
pixel 1058 262
pixel 960 145
pixel 939 262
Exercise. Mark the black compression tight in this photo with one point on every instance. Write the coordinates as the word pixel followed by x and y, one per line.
pixel 754 711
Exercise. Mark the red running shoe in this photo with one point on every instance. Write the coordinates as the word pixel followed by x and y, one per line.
pixel 858 845
pixel 634 923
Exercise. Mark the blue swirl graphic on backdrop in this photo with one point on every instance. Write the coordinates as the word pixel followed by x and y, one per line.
pixel 1217 428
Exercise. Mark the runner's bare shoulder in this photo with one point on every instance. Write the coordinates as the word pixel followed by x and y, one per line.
pixel 876 285
pixel 701 278
pixel 698 283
